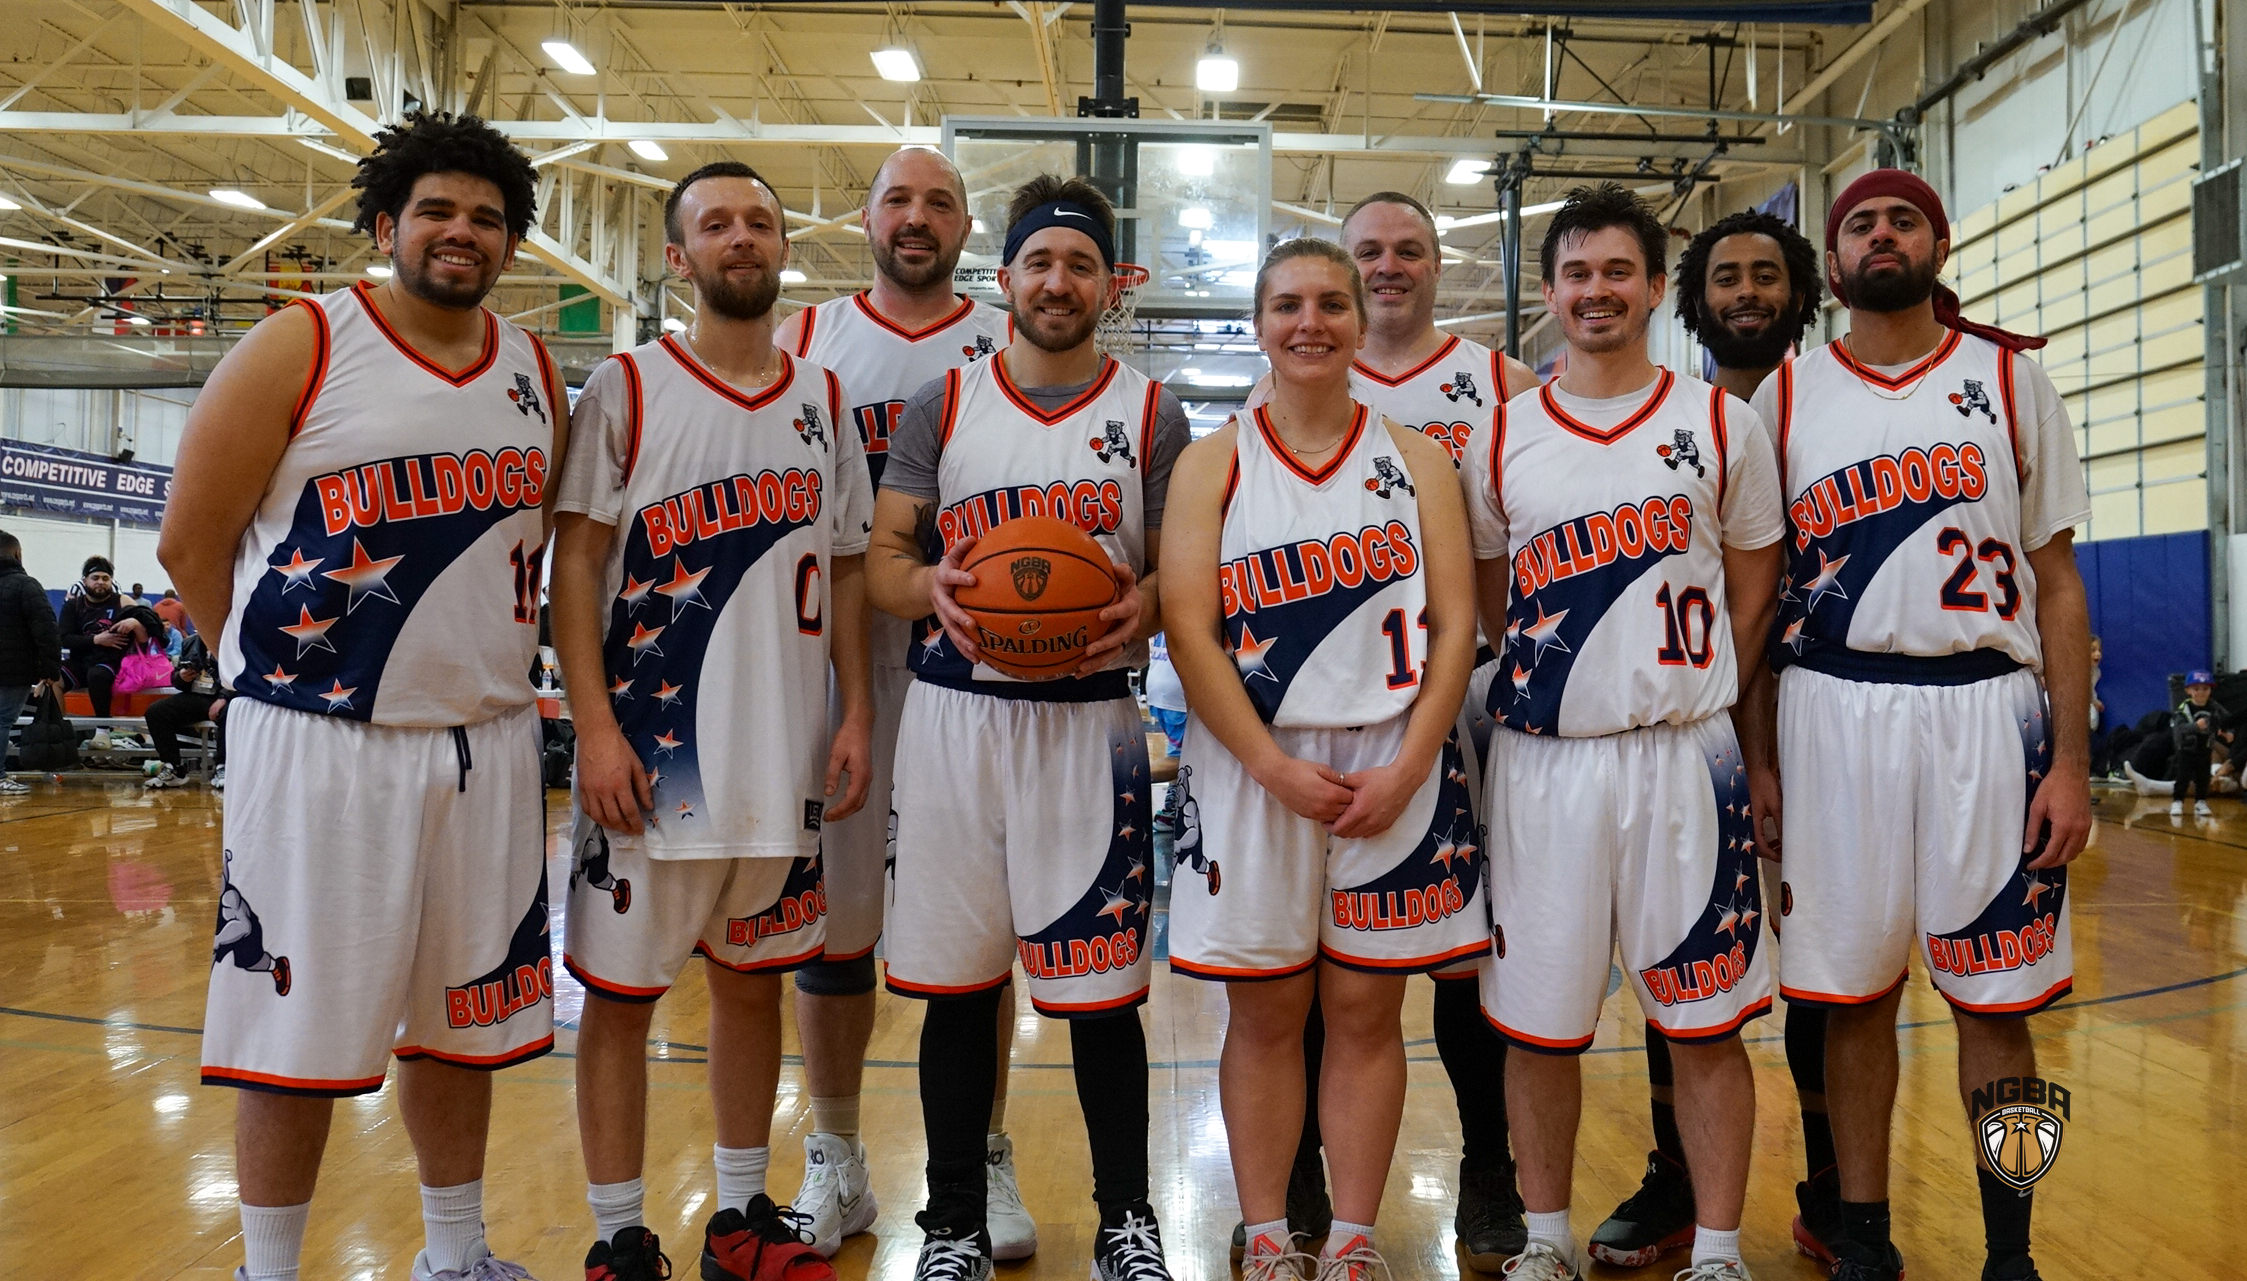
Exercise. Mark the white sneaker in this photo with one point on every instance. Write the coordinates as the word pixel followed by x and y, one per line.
pixel 1014 1234
pixel 167 777
pixel 2200 810
pixel 99 742
pixel 218 779
pixel 838 1194
pixel 488 1268
pixel 1715 1270
pixel 1289 1261
pixel 13 787
pixel 1361 1262
pixel 1540 1262
pixel 2176 809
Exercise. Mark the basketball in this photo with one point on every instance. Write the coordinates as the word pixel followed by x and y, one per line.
pixel 1040 586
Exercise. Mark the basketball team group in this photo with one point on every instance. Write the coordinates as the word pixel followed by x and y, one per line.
pixel 1488 679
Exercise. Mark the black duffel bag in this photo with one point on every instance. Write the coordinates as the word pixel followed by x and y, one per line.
pixel 50 742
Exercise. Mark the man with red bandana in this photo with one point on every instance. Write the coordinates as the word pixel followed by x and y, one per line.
pixel 1932 487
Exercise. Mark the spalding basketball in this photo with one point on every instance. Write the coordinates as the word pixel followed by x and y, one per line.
pixel 1040 586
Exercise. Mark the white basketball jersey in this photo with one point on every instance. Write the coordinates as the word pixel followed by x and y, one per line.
pixel 1615 537
pixel 883 363
pixel 1449 397
pixel 1004 457
pixel 391 571
pixel 1318 576
pixel 1904 512
pixel 733 508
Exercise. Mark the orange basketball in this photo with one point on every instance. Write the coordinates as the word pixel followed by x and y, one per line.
pixel 1040 586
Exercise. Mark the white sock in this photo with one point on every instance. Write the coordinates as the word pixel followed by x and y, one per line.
pixel 273 1240
pixel 1552 1229
pixel 1343 1236
pixel 837 1116
pixel 452 1221
pixel 998 1111
pixel 616 1206
pixel 741 1175
pixel 1276 1231
pixel 1710 1245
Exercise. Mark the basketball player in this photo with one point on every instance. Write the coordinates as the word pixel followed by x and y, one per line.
pixel 1626 524
pixel 1023 810
pixel 1321 614
pixel 1747 286
pixel 359 497
pixel 886 343
pixel 708 571
pixel 1932 490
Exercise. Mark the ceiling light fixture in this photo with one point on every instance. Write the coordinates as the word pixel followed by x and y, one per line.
pixel 791 276
pixel 674 325
pixel 6 203
pixel 1195 217
pixel 566 56
pixel 238 199
pixel 647 150
pixel 897 63
pixel 326 150
pixel 1216 73
pixel 1196 162
pixel 1464 172
pixel 378 271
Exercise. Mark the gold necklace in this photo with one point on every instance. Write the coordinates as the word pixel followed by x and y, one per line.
pixel 760 378
pixel 1901 394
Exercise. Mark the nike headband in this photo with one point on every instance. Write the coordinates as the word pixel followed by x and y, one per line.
pixel 1060 213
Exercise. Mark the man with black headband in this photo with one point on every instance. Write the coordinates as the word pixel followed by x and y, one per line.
pixel 1932 486
pixel 1023 808
pixel 1747 287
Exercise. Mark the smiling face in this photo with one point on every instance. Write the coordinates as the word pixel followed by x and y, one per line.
pixel 451 243
pixel 734 246
pixel 1059 285
pixel 1308 323
pixel 1601 291
pixel 1750 300
pixel 1887 255
pixel 917 219
pixel 1396 252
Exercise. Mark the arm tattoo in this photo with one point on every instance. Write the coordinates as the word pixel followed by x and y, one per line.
pixel 924 533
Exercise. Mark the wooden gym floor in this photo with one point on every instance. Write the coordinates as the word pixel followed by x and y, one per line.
pixel 115 1163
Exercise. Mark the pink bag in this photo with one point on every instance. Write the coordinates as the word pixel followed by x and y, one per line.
pixel 148 667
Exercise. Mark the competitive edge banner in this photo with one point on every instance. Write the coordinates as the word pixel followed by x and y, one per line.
pixel 69 482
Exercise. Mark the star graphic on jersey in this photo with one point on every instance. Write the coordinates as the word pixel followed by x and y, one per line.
pixel 642 642
pixel 666 693
pixel 620 688
pixel 1513 631
pixel 1747 919
pixel 664 742
pixel 1445 852
pixel 1521 681
pixel 655 776
pixel 297 572
pixel 2037 887
pixel 310 633
pixel 338 695
pixel 365 577
pixel 1137 872
pixel 1126 832
pixel 1739 881
pixel 1117 905
pixel 1249 656
pixel 278 678
pixel 634 595
pixel 1793 635
pixel 1828 580
pixel 686 809
pixel 933 642
pixel 1729 920
pixel 684 589
pixel 1545 634
pixel 1127 798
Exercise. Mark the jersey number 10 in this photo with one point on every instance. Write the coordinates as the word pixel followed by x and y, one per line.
pixel 1688 627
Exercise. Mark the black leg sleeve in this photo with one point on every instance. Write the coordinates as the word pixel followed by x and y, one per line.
pixel 1475 1060
pixel 1659 1072
pixel 1111 1068
pixel 959 1072
pixel 1314 1054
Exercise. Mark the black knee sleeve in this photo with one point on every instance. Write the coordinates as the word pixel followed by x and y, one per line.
pixel 1474 1057
pixel 959 1073
pixel 854 977
pixel 1806 1046
pixel 1111 1067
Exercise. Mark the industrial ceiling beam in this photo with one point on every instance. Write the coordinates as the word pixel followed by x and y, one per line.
pixel 239 51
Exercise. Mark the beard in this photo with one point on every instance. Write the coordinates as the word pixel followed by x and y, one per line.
pixel 1890 291
pixel 1631 330
pixel 1051 335
pixel 412 271
pixel 1733 350
pixel 939 267
pixel 736 300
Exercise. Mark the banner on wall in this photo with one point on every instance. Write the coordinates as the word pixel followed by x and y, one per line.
pixel 69 482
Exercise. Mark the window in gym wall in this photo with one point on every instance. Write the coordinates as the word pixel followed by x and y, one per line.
pixel 2096 255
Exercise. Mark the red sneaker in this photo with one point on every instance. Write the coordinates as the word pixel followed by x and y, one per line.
pixel 764 1242
pixel 635 1255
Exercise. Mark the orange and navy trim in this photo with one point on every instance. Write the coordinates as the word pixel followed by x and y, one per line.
pixel 1539 1044
pixel 719 385
pixel 1905 379
pixel 1238 974
pixel 834 398
pixel 1107 375
pixel 1786 416
pixel 2012 1009
pixel 1498 455
pixel 1147 417
pixel 778 965
pixel 832 958
pixel 805 319
pixel 461 379
pixel 1406 965
pixel 322 348
pixel 546 380
pixel 1498 374
pixel 480 1062
pixel 308 1087
pixel 1722 436
pixel 1232 477
pixel 1088 1009
pixel 2005 395
pixel 1287 456
pixel 1624 428
pixel 958 314
pixel 951 408
pixel 612 991
pixel 937 991
pixel 1832 998
pixel 634 412
pixel 1710 1035
pixel 1408 375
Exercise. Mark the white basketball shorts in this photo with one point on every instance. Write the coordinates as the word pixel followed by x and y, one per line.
pixel 856 850
pixel 383 892
pixel 1475 727
pixel 1023 829
pixel 1639 839
pixel 633 920
pixel 1904 810
pixel 1260 892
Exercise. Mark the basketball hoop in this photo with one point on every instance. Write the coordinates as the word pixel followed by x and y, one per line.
pixel 1114 327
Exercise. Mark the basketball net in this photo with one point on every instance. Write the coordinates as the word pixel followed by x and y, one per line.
pixel 1113 332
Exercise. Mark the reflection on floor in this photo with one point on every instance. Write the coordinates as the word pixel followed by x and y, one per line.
pixel 112 1152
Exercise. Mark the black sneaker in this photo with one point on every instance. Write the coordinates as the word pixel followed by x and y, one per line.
pixel 1489 1223
pixel 1818 1227
pixel 1310 1212
pixel 2018 1268
pixel 1655 1219
pixel 1129 1246
pixel 633 1255
pixel 945 1257
pixel 1856 1261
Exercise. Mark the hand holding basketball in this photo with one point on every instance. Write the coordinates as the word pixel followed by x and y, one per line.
pixel 944 578
pixel 1044 593
pixel 1122 619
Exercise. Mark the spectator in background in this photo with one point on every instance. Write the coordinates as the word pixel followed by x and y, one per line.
pixel 2198 725
pixel 135 596
pixel 99 628
pixel 30 646
pixel 1166 697
pixel 174 613
pixel 201 699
